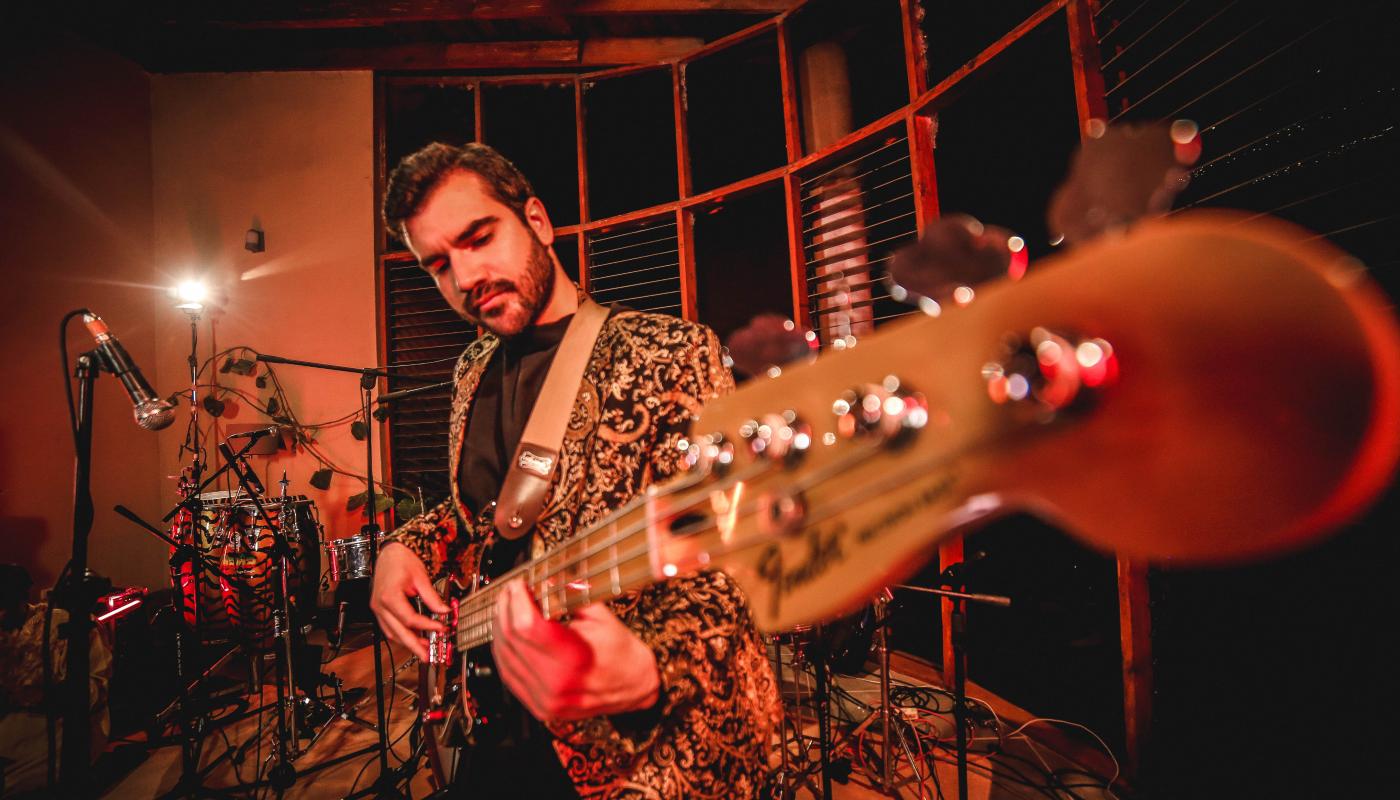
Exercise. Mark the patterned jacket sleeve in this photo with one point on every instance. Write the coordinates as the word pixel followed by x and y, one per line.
pixel 697 626
pixel 435 536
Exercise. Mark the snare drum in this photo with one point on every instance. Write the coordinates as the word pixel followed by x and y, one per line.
pixel 352 557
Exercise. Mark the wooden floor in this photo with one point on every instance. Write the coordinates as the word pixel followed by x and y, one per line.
pixel 135 770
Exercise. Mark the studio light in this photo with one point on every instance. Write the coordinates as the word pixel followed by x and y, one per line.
pixel 191 295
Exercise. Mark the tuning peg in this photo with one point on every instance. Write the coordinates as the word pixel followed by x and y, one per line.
pixel 956 254
pixel 768 343
pixel 1120 174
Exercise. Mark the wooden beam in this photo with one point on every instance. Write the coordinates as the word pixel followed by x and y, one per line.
pixel 638 50
pixel 311 14
pixel 1089 97
pixel 923 130
pixel 581 152
pixel 189 56
pixel 797 255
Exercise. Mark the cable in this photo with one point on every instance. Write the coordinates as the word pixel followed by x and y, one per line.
pixel 1117 769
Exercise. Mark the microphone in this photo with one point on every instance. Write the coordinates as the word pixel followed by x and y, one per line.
pixel 255 434
pixel 151 412
pixel 239 465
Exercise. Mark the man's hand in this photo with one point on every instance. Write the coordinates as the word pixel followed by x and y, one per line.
pixel 398 575
pixel 593 665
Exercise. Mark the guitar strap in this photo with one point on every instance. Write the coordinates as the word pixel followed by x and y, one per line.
pixel 536 457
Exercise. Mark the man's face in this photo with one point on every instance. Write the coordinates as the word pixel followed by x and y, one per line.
pixel 492 268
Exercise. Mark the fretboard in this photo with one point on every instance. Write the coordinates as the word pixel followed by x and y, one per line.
pixel 600 563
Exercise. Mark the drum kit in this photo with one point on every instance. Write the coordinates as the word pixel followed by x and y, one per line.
pixel 246 572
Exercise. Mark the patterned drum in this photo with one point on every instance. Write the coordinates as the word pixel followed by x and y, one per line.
pixel 237 593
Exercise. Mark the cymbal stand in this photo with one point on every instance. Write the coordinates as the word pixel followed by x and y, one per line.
pixel 386 785
pixel 794 775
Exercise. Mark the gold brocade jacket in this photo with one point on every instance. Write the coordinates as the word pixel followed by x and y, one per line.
pixel 645 381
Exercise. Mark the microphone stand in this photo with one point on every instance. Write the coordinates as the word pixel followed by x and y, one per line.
pixel 78 595
pixel 283 774
pixel 952 577
pixel 386 784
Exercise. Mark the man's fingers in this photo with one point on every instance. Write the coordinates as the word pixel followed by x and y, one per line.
pixel 397 632
pixel 428 594
pixel 398 607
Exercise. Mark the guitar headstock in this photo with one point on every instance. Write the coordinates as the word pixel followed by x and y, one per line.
pixel 1256 406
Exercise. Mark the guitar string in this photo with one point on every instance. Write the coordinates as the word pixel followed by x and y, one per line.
pixel 483 599
pixel 482 608
pixel 820 513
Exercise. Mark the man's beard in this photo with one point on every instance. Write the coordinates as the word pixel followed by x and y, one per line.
pixel 534 289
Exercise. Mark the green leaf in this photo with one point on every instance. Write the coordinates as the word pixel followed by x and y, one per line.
pixel 244 366
pixel 321 479
pixel 273 406
pixel 227 366
pixel 407 508
pixel 382 413
pixel 382 502
pixel 358 430
pixel 261 382
pixel 355 501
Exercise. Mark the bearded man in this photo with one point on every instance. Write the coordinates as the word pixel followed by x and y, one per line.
pixel 664 691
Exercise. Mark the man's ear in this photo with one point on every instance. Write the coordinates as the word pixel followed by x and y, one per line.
pixel 538 220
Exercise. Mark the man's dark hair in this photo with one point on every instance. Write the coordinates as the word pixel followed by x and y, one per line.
pixel 419 173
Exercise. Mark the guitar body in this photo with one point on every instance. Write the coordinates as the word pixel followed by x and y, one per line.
pixel 459 699
pixel 462 701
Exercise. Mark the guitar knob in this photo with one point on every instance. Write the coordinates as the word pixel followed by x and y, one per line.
pixel 708 453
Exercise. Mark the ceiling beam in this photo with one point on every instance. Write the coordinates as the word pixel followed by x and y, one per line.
pixel 302 14
pixel 558 54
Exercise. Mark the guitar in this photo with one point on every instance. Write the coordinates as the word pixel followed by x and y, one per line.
pixel 1204 389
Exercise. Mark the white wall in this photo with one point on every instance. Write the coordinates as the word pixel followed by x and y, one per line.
pixel 293 153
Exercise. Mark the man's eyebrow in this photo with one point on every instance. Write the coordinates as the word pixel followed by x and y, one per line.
pixel 474 228
pixel 467 233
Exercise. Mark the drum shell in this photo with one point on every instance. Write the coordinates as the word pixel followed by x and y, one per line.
pixel 352 557
pixel 237 594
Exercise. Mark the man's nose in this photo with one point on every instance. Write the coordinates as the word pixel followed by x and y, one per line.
pixel 465 271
